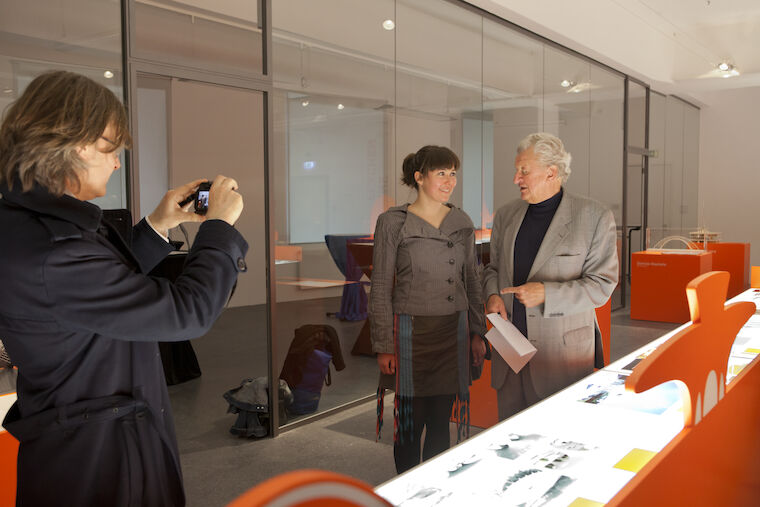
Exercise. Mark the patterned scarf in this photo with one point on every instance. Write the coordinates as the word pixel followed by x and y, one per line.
pixel 402 406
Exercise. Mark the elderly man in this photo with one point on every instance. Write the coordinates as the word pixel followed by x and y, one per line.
pixel 553 260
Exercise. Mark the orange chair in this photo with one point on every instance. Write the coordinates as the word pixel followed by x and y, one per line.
pixel 311 488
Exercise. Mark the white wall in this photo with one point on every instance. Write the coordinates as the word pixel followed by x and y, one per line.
pixel 729 173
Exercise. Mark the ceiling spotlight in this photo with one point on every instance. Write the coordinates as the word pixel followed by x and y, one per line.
pixel 7 90
pixel 388 24
pixel 304 103
pixel 341 106
pixel 726 69
pixel 565 83
pixel 108 74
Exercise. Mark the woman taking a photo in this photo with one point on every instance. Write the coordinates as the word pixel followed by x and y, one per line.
pixel 426 308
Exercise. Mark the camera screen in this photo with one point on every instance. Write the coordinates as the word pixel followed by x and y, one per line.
pixel 202 202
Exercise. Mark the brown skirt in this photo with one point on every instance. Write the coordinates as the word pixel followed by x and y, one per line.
pixel 434 352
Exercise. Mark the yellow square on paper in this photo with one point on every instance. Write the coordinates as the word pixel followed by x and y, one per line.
pixel 752 351
pixel 635 460
pixel 585 502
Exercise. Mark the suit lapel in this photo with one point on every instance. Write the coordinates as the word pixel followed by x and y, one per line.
pixel 556 232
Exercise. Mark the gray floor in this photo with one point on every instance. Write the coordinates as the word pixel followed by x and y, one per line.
pixel 219 466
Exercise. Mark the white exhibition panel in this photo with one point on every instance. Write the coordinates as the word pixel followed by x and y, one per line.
pixel 581 443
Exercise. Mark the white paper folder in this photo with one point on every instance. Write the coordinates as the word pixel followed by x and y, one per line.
pixel 509 342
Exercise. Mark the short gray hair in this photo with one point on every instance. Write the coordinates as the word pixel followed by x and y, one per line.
pixel 549 150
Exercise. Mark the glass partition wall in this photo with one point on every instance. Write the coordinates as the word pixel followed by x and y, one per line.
pixel 37 37
pixel 353 99
pixel 327 101
pixel 333 156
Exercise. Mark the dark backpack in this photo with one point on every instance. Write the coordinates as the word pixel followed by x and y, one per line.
pixel 307 366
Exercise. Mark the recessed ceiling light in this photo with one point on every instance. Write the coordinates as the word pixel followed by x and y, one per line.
pixel 565 83
pixel 304 103
pixel 341 106
pixel 108 74
pixel 388 24
pixel 726 69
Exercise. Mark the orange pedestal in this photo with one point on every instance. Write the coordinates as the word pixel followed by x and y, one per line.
pixel 484 411
pixel 604 318
pixel 658 284
pixel 734 258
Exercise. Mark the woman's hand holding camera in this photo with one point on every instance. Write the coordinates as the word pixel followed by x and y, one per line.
pixel 170 213
pixel 177 205
pixel 224 203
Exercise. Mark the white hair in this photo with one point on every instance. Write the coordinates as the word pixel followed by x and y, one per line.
pixel 549 150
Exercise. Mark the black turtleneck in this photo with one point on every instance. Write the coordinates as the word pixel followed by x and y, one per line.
pixel 528 241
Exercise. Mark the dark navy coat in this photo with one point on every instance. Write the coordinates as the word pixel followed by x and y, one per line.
pixel 80 318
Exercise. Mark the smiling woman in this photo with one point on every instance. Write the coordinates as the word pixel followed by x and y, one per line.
pixel 426 309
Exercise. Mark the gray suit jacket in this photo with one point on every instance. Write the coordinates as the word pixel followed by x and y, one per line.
pixel 578 265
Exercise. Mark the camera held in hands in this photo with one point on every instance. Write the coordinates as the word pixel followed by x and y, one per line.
pixel 199 198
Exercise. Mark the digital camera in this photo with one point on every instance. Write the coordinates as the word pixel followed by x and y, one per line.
pixel 199 198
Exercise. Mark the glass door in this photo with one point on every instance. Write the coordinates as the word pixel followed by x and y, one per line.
pixel 186 130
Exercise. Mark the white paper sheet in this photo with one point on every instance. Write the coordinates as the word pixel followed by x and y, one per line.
pixel 509 342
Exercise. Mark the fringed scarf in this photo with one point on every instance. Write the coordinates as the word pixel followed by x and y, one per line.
pixel 402 405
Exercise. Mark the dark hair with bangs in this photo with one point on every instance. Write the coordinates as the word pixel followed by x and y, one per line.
pixel 427 158
pixel 57 113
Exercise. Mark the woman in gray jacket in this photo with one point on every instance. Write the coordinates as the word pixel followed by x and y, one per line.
pixel 426 308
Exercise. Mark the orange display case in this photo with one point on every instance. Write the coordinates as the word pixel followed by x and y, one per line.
pixel 658 281
pixel 734 258
pixel 672 423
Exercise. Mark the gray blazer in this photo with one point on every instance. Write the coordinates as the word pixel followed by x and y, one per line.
pixel 578 265
pixel 418 269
